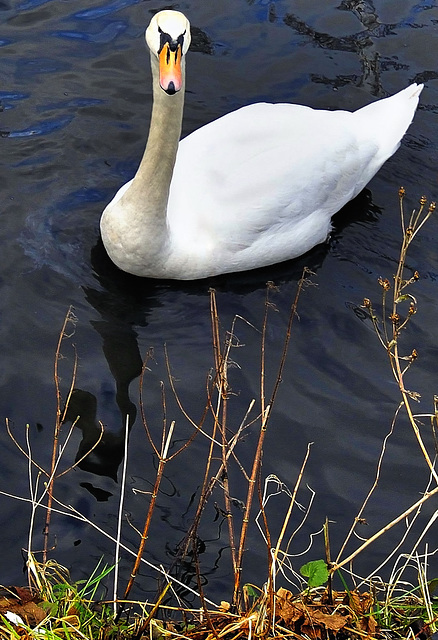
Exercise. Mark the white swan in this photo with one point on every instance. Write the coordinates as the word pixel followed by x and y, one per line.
pixel 255 187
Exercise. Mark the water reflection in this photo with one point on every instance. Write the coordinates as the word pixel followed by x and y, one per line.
pixel 124 303
pixel 361 43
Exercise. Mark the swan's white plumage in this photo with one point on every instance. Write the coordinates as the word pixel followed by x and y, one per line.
pixel 253 188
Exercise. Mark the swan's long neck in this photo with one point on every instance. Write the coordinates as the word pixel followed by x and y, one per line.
pixel 149 190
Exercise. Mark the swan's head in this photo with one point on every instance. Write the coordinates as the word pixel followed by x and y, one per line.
pixel 168 38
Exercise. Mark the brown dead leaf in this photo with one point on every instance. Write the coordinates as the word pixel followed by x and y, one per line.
pixel 29 612
pixel 368 624
pixel 361 603
pixel 284 593
pixel 332 621
pixel 25 594
pixel 308 619
pixel 289 612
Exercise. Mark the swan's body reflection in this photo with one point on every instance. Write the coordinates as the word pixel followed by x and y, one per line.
pixel 125 302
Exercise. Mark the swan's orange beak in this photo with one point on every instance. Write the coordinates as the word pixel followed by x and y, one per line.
pixel 170 68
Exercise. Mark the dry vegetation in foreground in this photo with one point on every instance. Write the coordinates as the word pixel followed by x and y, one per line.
pixel 53 607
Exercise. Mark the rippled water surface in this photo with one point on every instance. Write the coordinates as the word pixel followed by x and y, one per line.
pixel 75 95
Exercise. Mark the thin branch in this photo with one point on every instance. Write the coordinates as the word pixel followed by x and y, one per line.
pixel 264 421
pixel 120 514
pixel 69 318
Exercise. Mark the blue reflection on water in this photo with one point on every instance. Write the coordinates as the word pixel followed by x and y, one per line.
pixel 84 194
pixel 28 67
pixel 42 128
pixel 105 35
pixel 31 4
pixel 34 161
pixel 7 99
pixel 104 10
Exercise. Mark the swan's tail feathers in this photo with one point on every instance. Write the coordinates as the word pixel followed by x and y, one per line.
pixel 390 118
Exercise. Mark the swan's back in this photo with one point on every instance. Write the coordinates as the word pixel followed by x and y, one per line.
pixel 260 184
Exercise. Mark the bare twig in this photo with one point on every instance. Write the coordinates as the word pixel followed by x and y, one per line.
pixel 264 421
pixel 119 518
pixel 60 414
pixel 373 487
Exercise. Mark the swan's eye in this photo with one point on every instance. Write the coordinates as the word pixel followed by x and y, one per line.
pixel 180 40
pixel 165 38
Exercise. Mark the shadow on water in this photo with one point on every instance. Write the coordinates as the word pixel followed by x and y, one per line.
pixel 124 302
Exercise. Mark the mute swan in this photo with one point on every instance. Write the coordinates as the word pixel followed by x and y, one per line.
pixel 253 188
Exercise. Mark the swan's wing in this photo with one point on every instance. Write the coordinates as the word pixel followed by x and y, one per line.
pixel 264 169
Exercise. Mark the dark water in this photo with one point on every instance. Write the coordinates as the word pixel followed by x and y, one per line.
pixel 75 93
